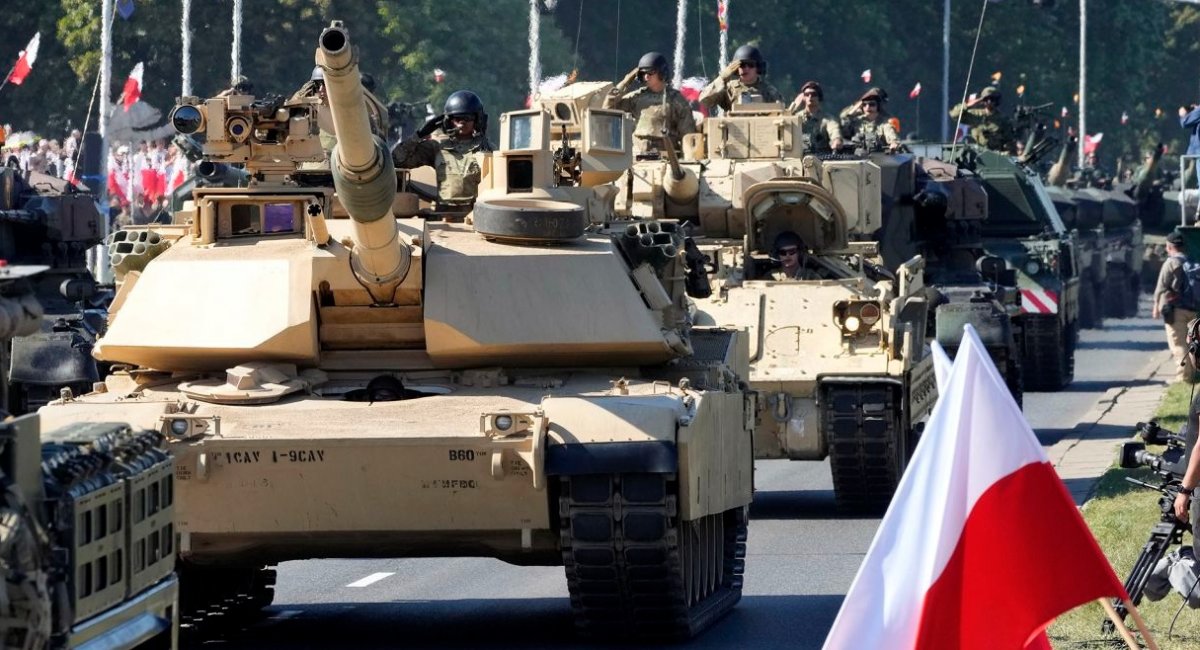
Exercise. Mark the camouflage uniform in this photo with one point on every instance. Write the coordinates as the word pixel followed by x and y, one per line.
pixel 993 131
pixel 725 94
pixel 459 164
pixel 654 111
pixel 801 273
pixel 819 131
pixel 879 135
pixel 1172 283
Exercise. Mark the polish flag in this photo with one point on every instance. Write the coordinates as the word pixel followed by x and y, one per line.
pixel 133 87
pixel 1090 142
pixel 1065 112
pixel 439 75
pixel 982 546
pixel 1124 117
pixel 915 92
pixel 25 61
pixel 866 76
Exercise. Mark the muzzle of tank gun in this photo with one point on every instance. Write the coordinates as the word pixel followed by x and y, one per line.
pixel 363 173
pixel 681 185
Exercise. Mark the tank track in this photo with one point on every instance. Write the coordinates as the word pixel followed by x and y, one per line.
pixel 1047 356
pixel 868 448
pixel 635 570
pixel 215 600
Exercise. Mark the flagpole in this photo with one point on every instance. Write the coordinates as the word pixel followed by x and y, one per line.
pixel 236 53
pixel 100 268
pixel 10 71
pixel 185 37
pixel 1141 624
pixel 1125 631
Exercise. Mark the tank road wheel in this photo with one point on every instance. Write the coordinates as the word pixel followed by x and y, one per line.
pixel 1048 353
pixel 635 570
pixel 868 447
pixel 1090 316
pixel 214 598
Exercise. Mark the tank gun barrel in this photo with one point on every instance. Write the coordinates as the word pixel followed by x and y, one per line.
pixel 363 174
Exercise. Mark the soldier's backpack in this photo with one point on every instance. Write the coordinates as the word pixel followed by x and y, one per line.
pixel 1190 299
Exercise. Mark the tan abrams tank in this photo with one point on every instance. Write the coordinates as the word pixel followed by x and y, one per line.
pixel 338 381
pixel 839 359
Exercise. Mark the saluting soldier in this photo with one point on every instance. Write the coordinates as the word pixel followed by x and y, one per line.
pixel 868 124
pixel 457 153
pixel 741 82
pixel 822 133
pixel 656 105
pixel 989 128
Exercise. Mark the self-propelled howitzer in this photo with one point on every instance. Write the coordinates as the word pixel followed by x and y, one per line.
pixel 339 379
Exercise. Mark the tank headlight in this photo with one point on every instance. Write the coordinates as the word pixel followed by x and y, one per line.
pixel 852 323
pixel 1033 267
pixel 187 119
pixel 869 314
pixel 503 422
pixel 180 427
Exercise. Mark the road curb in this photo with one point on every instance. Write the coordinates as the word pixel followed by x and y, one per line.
pixel 1083 455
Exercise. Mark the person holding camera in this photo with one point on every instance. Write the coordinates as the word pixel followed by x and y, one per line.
pixel 1173 304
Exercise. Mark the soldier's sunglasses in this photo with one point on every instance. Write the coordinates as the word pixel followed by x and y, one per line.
pixel 788 252
pixel 747 64
pixel 870 103
pixel 462 118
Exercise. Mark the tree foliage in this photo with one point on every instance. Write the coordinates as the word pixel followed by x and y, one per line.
pixel 1138 53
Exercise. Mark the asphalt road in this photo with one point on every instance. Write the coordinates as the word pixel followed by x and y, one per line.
pixel 801 558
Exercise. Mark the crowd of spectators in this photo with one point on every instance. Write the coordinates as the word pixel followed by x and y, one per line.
pixel 141 176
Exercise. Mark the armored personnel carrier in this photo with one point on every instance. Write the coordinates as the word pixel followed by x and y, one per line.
pixel 839 357
pixel 51 222
pixel 337 380
pixel 87 544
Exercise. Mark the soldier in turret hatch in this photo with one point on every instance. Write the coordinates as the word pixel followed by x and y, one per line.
pixel 457 153
pixel 791 252
pixel 989 128
pixel 655 106
pixel 742 81
pixel 868 124
pixel 822 133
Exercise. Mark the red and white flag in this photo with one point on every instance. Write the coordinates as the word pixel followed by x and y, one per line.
pixel 915 92
pixel 982 546
pixel 25 61
pixel 1065 112
pixel 1124 117
pixel 1090 142
pixel 866 76
pixel 439 75
pixel 133 87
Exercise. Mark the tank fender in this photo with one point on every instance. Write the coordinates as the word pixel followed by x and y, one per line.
pixel 54 359
pixel 617 433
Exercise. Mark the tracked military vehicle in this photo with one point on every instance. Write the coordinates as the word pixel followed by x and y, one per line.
pixel 1024 229
pixel 839 358
pixel 937 210
pixel 87 546
pixel 51 222
pixel 338 380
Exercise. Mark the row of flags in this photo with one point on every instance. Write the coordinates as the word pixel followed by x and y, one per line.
pixel 131 93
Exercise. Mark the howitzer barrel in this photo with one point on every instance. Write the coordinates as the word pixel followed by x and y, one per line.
pixel 362 168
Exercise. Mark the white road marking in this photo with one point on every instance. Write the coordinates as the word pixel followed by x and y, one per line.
pixel 371 579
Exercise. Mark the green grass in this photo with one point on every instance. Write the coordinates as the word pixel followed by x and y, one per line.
pixel 1121 516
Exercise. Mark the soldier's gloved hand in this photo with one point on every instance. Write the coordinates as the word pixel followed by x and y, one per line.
pixel 432 124
pixel 731 70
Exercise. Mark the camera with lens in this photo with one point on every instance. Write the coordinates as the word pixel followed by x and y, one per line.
pixel 268 135
pixel 1171 464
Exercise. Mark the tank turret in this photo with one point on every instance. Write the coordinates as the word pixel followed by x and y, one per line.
pixel 362 168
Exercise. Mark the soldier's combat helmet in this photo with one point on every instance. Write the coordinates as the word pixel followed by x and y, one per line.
pixel 991 93
pixel 317 74
pixel 751 53
pixel 657 62
pixel 786 239
pixel 465 102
